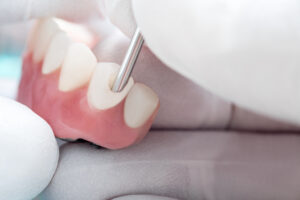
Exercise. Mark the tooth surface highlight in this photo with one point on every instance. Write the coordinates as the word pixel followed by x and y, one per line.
pixel 140 104
pixel 45 31
pixel 77 67
pixel 77 32
pixel 56 52
pixel 99 93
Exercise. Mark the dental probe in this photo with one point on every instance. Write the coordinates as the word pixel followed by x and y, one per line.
pixel 129 61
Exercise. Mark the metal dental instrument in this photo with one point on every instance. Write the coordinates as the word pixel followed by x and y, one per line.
pixel 129 61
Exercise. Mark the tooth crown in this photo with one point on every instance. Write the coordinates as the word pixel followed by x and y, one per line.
pixel 77 68
pixel 50 42
pixel 139 105
pixel 45 29
pixel 99 93
pixel 56 53
pixel 44 34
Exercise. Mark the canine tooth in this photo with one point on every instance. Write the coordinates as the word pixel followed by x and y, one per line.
pixel 77 67
pixel 140 104
pixel 99 93
pixel 45 32
pixel 56 52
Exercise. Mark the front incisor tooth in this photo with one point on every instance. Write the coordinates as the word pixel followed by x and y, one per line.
pixel 56 52
pixel 77 68
pixel 100 95
pixel 140 104
pixel 45 31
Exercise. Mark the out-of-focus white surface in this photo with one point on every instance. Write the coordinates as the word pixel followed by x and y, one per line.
pixel 245 51
pixel 29 152
pixel 22 10
pixel 8 87
pixel 12 43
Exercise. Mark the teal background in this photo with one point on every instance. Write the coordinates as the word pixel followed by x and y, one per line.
pixel 10 65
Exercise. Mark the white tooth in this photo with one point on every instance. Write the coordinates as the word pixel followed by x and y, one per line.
pixel 45 32
pixel 140 104
pixel 99 93
pixel 77 68
pixel 56 52
pixel 77 32
pixel 32 35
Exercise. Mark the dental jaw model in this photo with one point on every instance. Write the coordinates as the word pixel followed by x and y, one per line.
pixel 64 84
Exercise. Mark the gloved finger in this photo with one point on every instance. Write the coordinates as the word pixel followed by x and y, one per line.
pixel 202 165
pixel 23 10
pixel 243 51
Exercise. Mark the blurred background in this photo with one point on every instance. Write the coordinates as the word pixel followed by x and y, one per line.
pixel 12 44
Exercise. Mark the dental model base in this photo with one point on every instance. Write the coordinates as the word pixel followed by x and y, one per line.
pixel 63 83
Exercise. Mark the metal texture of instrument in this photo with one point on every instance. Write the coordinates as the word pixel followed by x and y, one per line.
pixel 129 61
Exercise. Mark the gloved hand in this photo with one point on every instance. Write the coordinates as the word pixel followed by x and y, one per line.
pixel 198 109
pixel 244 51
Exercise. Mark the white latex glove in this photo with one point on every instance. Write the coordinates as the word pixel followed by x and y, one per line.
pixel 245 51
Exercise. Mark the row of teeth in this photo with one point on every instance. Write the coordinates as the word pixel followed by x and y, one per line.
pixel 53 42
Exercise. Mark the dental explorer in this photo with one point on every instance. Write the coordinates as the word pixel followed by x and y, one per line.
pixel 129 61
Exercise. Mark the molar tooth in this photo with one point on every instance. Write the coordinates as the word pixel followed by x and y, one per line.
pixel 99 92
pixel 56 52
pixel 77 67
pixel 140 104
pixel 47 28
